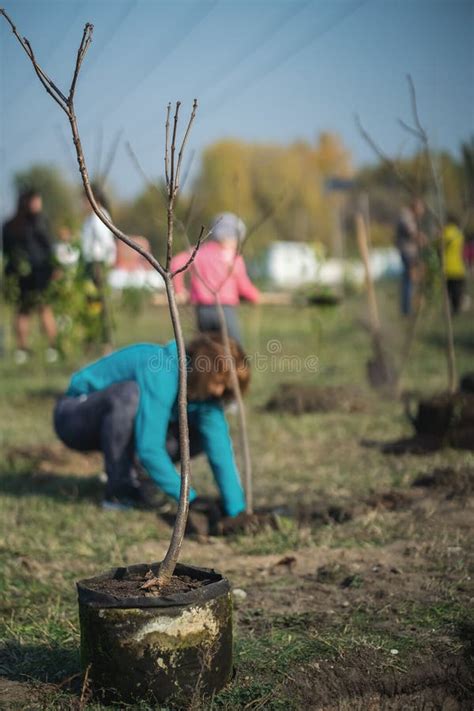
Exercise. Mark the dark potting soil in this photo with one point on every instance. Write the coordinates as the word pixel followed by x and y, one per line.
pixel 131 586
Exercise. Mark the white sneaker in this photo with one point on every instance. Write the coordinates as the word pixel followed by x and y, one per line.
pixel 51 355
pixel 20 356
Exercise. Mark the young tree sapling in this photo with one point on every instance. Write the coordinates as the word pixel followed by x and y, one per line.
pixel 437 213
pixel 173 165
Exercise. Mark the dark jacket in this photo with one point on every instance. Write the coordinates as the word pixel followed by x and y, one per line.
pixel 27 248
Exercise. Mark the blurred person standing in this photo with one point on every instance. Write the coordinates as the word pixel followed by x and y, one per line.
pixel 410 239
pixel 99 253
pixel 454 267
pixel 218 267
pixel 29 259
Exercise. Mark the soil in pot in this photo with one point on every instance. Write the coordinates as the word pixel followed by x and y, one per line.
pixel 131 586
pixel 174 644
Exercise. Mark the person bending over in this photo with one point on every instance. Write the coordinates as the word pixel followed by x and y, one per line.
pixel 125 405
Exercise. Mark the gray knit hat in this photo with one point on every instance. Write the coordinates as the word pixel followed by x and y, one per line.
pixel 226 225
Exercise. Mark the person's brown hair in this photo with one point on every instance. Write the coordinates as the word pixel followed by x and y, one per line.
pixel 207 361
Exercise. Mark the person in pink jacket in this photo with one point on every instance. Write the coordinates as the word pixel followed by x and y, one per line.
pixel 217 268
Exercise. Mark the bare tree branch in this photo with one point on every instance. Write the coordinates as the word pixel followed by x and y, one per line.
pixel 195 250
pixel 167 141
pixel 110 158
pixel 383 156
pixel 414 106
pixel 50 87
pixel 151 185
pixel 413 131
pixel 412 190
pixel 81 53
pixel 187 170
pixel 185 140
pixel 173 147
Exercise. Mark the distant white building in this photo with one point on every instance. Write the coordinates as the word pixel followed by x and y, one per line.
pixel 132 270
pixel 288 265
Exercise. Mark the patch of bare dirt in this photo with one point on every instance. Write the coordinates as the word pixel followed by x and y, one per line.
pixel 55 459
pixel 299 399
pixel 25 696
pixel 340 511
pixel 14 694
pixel 454 483
pixel 417 444
pixel 368 683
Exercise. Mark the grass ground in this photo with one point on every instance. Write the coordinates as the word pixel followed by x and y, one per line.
pixel 374 612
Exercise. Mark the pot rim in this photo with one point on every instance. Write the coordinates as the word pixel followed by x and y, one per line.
pixel 218 586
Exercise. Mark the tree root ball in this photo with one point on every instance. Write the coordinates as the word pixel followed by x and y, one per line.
pixel 155 648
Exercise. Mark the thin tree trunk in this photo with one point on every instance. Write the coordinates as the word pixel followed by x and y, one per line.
pixel 364 253
pixel 171 558
pixel 243 431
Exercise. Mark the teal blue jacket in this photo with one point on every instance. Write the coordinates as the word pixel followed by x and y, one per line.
pixel 155 370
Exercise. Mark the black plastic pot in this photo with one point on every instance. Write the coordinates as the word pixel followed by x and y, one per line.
pixel 446 418
pixel 433 417
pixel 154 648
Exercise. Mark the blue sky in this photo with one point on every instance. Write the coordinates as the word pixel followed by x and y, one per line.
pixel 262 70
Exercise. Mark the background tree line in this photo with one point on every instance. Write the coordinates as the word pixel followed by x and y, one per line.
pixel 289 183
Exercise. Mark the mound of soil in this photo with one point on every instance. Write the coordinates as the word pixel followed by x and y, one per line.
pixel 342 511
pixel 207 519
pixel 389 500
pixel 323 514
pixel 298 399
pixel 247 524
pixel 455 483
